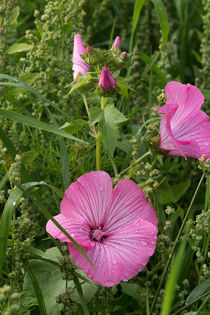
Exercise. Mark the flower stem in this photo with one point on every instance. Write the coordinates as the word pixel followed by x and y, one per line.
pixel 136 162
pixel 82 299
pixel 98 151
pixel 92 128
pixel 176 242
pixel 99 138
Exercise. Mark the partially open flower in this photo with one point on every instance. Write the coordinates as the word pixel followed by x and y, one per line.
pixel 184 127
pixel 79 66
pixel 106 80
pixel 117 230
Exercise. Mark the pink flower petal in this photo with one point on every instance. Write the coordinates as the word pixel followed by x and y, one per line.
pixel 188 97
pixel 86 200
pixel 108 267
pixel 128 204
pixel 106 80
pixel 190 138
pixel 79 66
pixel 120 256
pixel 80 233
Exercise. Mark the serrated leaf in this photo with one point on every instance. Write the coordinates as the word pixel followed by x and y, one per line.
pixel 74 126
pixel 19 48
pixel 96 114
pixel 80 82
pixel 14 15
pixel 123 88
pixel 108 126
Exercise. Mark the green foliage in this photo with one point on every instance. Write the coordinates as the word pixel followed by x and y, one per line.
pixel 42 111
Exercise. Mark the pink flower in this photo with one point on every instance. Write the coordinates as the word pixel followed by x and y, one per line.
pixel 89 49
pixel 79 66
pixel 184 127
pixel 117 230
pixel 106 80
pixel 116 42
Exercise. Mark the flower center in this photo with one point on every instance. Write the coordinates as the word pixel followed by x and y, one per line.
pixel 97 235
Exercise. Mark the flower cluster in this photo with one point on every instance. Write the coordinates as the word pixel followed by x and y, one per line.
pixel 82 59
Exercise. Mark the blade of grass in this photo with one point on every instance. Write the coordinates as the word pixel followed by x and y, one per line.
pixel 48 216
pixel 163 20
pixel 38 292
pixel 112 32
pixel 81 295
pixel 136 14
pixel 36 124
pixel 172 281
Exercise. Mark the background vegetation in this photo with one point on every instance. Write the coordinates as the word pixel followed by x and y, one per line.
pixel 166 40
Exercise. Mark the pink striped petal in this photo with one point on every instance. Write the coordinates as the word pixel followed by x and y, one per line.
pixel 80 233
pixel 128 204
pixel 121 255
pixel 109 268
pixel 190 138
pixel 86 200
pixel 188 97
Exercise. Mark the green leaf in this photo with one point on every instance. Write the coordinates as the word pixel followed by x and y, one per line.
pixel 163 20
pixel 136 13
pixel 96 114
pixel 80 82
pixel 198 291
pixel 131 289
pixel 154 67
pixel 38 292
pixel 168 194
pixel 50 280
pixel 123 88
pixel 29 156
pixel 108 126
pixel 36 124
pixel 74 126
pixel 16 48
pixel 14 15
pixel 29 77
pixel 172 280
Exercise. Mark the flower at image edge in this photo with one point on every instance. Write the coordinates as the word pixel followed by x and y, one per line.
pixel 117 230
pixel 184 127
pixel 79 66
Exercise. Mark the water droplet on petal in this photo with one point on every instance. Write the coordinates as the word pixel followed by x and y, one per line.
pixel 143 243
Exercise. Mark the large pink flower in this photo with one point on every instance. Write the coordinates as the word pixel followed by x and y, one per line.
pixel 118 231
pixel 79 66
pixel 184 127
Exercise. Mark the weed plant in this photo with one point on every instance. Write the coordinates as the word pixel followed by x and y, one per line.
pixel 46 143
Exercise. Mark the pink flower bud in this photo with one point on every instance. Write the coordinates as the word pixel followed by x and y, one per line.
pixel 124 53
pixel 116 42
pixel 79 66
pixel 106 80
pixel 89 49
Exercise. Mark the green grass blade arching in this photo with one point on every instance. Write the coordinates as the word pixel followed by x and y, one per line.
pixel 136 14
pixel 163 20
pixel 18 117
pixel 38 292
pixel 172 281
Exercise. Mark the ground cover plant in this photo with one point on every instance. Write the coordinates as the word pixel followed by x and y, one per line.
pixel 105 157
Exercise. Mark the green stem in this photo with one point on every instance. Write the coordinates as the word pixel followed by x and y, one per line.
pixel 136 162
pixel 176 242
pixel 98 151
pixel 190 304
pixel 103 102
pixel 92 128
pixel 82 299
